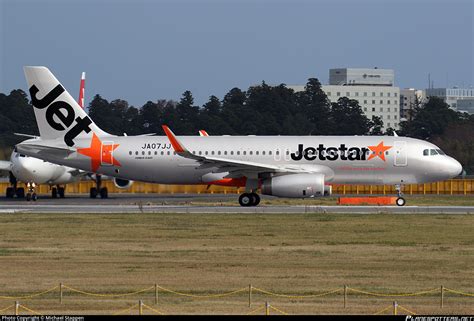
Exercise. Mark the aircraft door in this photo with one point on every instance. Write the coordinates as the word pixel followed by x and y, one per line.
pixel 400 150
pixel 106 153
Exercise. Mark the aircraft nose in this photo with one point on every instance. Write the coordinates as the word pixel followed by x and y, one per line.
pixel 454 168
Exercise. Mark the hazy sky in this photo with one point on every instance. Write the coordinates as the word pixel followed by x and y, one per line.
pixel 148 50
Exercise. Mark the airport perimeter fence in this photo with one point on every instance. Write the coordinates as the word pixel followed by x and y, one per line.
pixel 345 292
pixel 449 187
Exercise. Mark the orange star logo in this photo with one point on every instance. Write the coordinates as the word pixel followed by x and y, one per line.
pixel 99 153
pixel 378 151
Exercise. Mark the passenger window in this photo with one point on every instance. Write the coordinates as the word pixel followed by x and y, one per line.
pixel 130 153
pixel 225 152
pixel 250 153
pixel 433 152
pixel 136 153
pixel 200 153
pixel 426 152
pixel 238 152
pixel 244 153
pixel 232 152
pixel 212 153
pixel 218 152
pixel 156 153
pixel 269 152
pixel 168 152
pixel 207 152
pixel 143 153
pixel 278 152
pixel 263 152
pixel 162 152
pixel 256 152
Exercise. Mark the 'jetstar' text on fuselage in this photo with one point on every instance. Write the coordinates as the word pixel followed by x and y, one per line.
pixel 329 153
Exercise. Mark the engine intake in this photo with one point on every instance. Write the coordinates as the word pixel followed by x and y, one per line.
pixel 295 186
pixel 122 183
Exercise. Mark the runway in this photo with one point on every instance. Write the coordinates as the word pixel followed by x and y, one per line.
pixel 217 203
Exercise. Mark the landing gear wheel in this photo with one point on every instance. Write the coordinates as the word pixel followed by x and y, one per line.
pixel 93 192
pixel 28 197
pixel 54 192
pixel 61 192
pixel 245 199
pixel 104 193
pixel 20 192
pixel 400 201
pixel 34 197
pixel 10 192
pixel 256 199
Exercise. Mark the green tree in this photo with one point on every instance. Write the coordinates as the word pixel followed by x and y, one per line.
pixel 315 105
pixel 430 120
pixel 376 126
pixel 347 118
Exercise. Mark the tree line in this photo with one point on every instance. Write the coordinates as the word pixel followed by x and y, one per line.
pixel 260 110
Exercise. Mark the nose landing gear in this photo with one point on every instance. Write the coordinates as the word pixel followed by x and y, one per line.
pixel 400 200
pixel 31 192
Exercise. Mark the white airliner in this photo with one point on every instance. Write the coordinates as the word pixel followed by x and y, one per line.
pixel 34 171
pixel 283 166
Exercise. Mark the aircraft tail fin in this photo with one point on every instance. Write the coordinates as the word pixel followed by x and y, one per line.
pixel 57 114
pixel 82 90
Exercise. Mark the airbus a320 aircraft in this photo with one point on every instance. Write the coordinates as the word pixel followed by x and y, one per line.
pixel 283 166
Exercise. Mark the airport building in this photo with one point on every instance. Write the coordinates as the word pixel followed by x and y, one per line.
pixel 451 96
pixel 466 105
pixel 408 99
pixel 373 88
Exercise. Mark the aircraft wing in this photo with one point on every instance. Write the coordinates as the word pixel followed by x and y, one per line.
pixel 35 149
pixel 5 165
pixel 238 167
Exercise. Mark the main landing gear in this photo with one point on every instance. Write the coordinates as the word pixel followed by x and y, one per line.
pixel 249 199
pixel 400 200
pixel 57 191
pixel 98 190
pixel 13 190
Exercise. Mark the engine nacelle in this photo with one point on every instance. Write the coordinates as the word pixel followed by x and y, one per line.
pixel 295 185
pixel 122 183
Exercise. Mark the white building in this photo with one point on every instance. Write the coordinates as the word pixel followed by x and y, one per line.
pixel 408 97
pixel 361 77
pixel 372 88
pixel 466 105
pixel 451 95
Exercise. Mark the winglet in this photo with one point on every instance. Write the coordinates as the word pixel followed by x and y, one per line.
pixel 178 147
pixel 202 132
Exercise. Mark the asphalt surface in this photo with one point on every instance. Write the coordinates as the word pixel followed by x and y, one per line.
pixel 212 203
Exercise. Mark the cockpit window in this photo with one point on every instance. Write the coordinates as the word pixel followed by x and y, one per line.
pixel 21 155
pixel 426 152
pixel 433 152
pixel 440 152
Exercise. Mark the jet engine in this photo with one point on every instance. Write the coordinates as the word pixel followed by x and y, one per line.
pixel 122 183
pixel 295 185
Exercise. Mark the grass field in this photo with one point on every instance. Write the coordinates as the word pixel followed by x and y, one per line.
pixel 215 253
